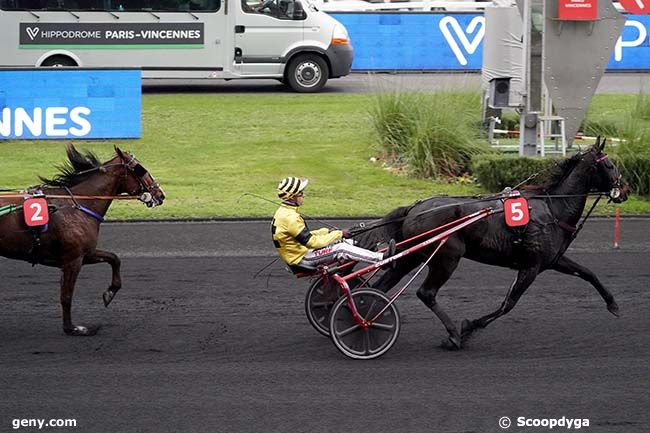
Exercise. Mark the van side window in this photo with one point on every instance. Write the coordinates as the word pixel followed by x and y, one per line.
pixel 113 5
pixel 281 9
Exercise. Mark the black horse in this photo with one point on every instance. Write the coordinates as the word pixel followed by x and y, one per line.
pixel 555 210
pixel 82 191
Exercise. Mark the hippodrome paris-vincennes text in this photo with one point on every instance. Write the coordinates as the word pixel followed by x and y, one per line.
pixel 121 34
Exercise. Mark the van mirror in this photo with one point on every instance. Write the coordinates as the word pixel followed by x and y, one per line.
pixel 298 12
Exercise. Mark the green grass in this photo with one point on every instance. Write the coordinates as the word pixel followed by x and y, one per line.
pixel 207 150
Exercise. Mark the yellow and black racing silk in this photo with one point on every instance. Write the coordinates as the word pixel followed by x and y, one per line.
pixel 293 239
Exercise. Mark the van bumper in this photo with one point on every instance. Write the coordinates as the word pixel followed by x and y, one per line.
pixel 340 57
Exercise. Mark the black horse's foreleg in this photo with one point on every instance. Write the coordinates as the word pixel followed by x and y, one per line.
pixel 100 256
pixel 70 272
pixel 391 277
pixel 568 266
pixel 524 279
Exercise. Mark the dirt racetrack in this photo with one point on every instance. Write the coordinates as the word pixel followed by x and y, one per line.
pixel 193 343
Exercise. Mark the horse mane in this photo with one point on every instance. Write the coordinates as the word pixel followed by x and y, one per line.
pixel 78 169
pixel 556 176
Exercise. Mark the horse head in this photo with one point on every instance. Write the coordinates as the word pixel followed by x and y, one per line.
pixel 607 176
pixel 138 180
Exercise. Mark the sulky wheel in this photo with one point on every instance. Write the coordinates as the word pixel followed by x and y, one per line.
pixel 319 301
pixel 360 342
pixel 320 298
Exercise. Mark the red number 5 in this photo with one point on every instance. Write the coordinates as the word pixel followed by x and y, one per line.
pixel 516 211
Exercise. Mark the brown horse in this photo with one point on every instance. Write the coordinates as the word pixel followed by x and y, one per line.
pixel 69 240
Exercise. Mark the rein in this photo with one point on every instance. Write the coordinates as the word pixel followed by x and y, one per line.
pixel 574 230
pixel 84 209
pixel 367 227
pixel 72 197
pixel 584 220
pixel 504 194
pixel 278 204
pixel 77 197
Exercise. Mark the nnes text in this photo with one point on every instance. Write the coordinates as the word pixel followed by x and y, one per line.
pixel 50 122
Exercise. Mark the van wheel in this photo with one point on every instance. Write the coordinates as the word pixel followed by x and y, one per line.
pixel 58 62
pixel 307 73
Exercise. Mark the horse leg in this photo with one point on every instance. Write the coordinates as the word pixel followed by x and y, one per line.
pixel 440 269
pixel 393 276
pixel 68 280
pixel 100 256
pixel 524 279
pixel 568 266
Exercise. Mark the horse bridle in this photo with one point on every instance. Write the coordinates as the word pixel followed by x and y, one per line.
pixel 148 184
pixel 615 191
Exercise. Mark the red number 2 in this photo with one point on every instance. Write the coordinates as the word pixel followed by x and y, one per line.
pixel 35 211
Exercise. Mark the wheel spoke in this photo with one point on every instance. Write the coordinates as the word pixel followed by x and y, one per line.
pixel 382 326
pixel 348 331
pixel 321 303
pixel 366 342
pixel 371 309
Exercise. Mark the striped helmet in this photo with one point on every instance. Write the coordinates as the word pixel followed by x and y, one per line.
pixel 289 187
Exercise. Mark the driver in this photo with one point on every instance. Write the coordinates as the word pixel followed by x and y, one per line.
pixel 303 249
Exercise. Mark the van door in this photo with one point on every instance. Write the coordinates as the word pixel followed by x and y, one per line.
pixel 265 30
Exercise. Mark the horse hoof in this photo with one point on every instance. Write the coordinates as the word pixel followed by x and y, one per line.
pixel 452 343
pixel 612 307
pixel 108 296
pixel 466 328
pixel 81 331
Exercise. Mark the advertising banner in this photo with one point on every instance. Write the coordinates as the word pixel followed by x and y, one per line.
pixel 111 35
pixel 454 42
pixel 640 7
pixel 70 104
pixel 577 10
pixel 387 41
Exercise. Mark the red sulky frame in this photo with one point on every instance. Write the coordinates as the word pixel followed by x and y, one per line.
pixel 444 232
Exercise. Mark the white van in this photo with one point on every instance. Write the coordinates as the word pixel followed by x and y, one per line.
pixel 288 40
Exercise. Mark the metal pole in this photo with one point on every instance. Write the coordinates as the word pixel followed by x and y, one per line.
pixel 528 119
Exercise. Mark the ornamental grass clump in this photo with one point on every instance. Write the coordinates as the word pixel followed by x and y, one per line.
pixel 633 156
pixel 633 153
pixel 393 121
pixel 433 134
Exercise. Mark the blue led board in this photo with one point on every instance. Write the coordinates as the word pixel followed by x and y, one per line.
pixel 454 42
pixel 70 104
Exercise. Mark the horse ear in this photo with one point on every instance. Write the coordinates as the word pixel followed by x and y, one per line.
pixel 71 151
pixel 119 152
pixel 600 144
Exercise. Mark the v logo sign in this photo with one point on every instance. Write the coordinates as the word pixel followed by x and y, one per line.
pixel 461 36
pixel 32 32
